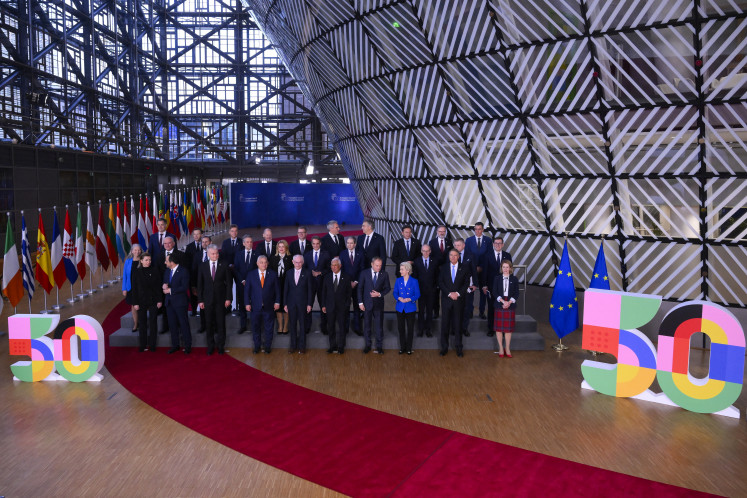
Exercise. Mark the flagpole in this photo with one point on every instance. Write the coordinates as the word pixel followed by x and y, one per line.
pixel 72 299
pixel 559 346
pixel 45 311
pixel 58 306
pixel 103 285
pixel 91 291
pixel 83 293
pixel 30 303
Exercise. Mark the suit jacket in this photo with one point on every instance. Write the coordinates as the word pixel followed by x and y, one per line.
pixel 471 245
pixel 146 286
pixel 336 299
pixel 427 279
pixel 436 254
pixel 411 290
pixel 228 251
pixel 513 290
pixel 191 250
pixel 322 265
pixel 295 247
pixel 491 268
pixel 160 260
pixel 242 267
pixel 460 283
pixel 354 268
pixel 179 284
pixel 154 245
pixel 400 254
pixel 214 292
pixel 366 285
pixel 197 258
pixel 262 298
pixel 328 244
pixel 261 248
pixel 470 263
pixel 376 247
pixel 301 294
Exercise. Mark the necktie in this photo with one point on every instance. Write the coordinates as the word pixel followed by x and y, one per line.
pixel 453 273
pixel 407 244
pixel 316 258
pixel 204 256
pixel 368 238
pixel 233 242
pixel 171 275
pixel 302 246
pixel 498 257
pixel 262 279
pixel 269 251
pixel 213 270
pixel 246 257
pixel 335 282
pixel 460 256
pixel 197 246
pixel 160 238
pixel 298 274
pixel 442 245
pixel 478 242
pixel 335 237
pixel 426 263
pixel 352 257
pixel 376 274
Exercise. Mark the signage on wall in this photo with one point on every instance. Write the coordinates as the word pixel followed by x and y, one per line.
pixel 75 351
pixel 611 321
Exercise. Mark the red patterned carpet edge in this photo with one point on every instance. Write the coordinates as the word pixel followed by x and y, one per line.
pixel 346 447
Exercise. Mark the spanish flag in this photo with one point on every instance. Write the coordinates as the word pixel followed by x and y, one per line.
pixel 43 259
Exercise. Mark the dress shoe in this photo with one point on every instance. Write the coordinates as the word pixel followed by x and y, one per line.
pixel 141 349
pixel 367 350
pixel 420 334
pixel 509 355
pixel 330 350
pixel 429 334
pixel 482 316
pixel 173 350
pixel 241 331
pixel 460 353
pixel 291 351
pixel 187 350
pixel 442 352
pixel 358 333
pixel 491 333
pixel 152 350
pixel 164 332
pixel 465 333
pixel 325 332
pixel 409 351
pixel 501 355
pixel 134 330
pixel 301 351
pixel 210 351
pixel 341 351
pixel 256 350
pixel 380 350
pixel 268 350
pixel 401 351
pixel 221 351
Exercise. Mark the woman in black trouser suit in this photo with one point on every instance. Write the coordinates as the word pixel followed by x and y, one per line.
pixel 147 299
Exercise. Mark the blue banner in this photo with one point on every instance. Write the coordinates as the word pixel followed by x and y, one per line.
pixel 279 204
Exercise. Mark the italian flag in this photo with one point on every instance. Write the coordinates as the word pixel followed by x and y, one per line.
pixel 12 278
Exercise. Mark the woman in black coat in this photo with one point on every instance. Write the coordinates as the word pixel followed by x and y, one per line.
pixel 505 293
pixel 147 298
pixel 281 263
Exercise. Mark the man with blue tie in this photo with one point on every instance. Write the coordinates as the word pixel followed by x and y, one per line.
pixel 453 281
pixel 467 259
pixel 155 244
pixel 262 298
pixel 298 298
pixel 373 286
pixel 176 302
pixel 371 244
pixel 230 246
pixel 406 249
pixel 352 265
pixel 244 261
pixel 317 261
pixel 425 270
pixel 200 256
pixel 491 268
pixel 478 245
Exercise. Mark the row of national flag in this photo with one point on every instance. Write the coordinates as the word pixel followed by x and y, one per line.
pixel 64 258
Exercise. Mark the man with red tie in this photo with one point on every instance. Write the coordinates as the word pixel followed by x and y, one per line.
pixel 155 245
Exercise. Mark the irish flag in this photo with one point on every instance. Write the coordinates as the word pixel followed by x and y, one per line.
pixel 12 278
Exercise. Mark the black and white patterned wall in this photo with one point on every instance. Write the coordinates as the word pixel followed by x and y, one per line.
pixel 593 120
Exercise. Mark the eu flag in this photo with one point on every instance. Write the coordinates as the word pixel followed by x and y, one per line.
pixel 563 305
pixel 600 279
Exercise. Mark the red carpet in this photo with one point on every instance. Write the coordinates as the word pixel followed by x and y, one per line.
pixel 343 446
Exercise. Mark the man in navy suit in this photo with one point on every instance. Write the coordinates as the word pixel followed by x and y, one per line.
pixel 299 297
pixel 371 244
pixel 333 242
pixel 372 287
pixel 478 244
pixel 176 302
pixel 453 281
pixel 189 251
pixel 214 289
pixel 199 256
pixel 491 268
pixel 405 249
pixel 267 246
pixel 245 260
pixel 230 246
pixel 440 246
pixel 317 261
pixel 300 245
pixel 336 292
pixel 469 262
pixel 262 298
pixel 155 244
pixel 425 270
pixel 352 265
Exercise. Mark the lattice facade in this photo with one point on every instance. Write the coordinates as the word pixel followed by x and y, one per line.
pixel 623 122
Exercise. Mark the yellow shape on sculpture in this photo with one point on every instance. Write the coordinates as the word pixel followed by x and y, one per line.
pixel 709 390
pixel 632 380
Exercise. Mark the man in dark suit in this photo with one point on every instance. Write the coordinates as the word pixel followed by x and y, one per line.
pixel 336 292
pixel 453 281
pixel 245 260
pixel 298 298
pixel 175 287
pixel 467 259
pixel 491 268
pixel 198 257
pixel 440 246
pixel 477 245
pixel 317 261
pixel 189 251
pixel 155 244
pixel 214 288
pixel 169 248
pixel 300 245
pixel 372 287
pixel 352 265
pixel 230 246
pixel 262 298
pixel 267 246
pixel 333 242
pixel 405 249
pixel 425 270
pixel 371 244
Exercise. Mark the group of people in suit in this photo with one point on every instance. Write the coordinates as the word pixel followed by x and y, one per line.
pixel 279 283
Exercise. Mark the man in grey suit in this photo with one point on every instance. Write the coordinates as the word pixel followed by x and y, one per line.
pixel 372 287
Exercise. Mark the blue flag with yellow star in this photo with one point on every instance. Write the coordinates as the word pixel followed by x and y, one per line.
pixel 563 305
pixel 600 279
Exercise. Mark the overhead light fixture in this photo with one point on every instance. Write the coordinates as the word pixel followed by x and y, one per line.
pixel 310 167
pixel 395 24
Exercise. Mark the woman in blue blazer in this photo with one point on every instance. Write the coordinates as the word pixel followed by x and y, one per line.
pixel 406 292
pixel 131 264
